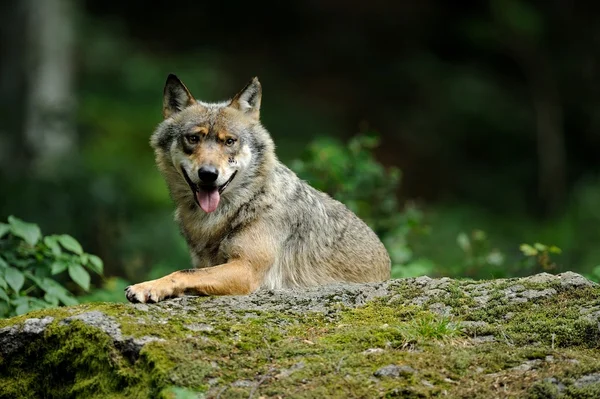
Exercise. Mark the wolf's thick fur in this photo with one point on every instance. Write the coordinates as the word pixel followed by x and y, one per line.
pixel 258 224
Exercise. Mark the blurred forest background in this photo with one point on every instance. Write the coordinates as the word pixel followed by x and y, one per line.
pixel 459 131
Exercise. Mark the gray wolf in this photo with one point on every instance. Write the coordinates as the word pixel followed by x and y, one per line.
pixel 248 220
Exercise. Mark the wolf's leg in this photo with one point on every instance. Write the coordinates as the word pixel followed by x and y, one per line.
pixel 237 277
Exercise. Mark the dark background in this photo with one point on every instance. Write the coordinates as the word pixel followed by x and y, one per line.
pixel 489 109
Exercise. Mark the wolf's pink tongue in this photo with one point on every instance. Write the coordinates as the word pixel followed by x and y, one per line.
pixel 209 200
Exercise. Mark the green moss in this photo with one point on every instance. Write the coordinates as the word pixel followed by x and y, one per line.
pixel 543 390
pixel 374 326
pixel 554 321
pixel 69 361
pixel 56 313
pixel 587 392
pixel 316 355
pixel 568 390
pixel 458 300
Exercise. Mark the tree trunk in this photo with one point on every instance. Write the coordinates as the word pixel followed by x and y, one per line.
pixel 12 87
pixel 549 125
pixel 50 114
pixel 550 145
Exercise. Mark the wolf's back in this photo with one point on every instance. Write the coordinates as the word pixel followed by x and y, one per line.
pixel 321 239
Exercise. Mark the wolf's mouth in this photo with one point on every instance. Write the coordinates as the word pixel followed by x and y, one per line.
pixel 207 196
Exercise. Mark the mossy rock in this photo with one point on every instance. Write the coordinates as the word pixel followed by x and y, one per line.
pixel 535 337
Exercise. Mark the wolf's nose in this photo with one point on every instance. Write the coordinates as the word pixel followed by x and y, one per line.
pixel 208 174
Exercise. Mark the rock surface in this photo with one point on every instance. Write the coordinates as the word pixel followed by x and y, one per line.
pixel 536 337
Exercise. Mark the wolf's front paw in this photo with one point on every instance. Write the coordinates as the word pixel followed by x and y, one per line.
pixel 149 292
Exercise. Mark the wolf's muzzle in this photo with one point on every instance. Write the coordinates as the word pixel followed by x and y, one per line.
pixel 207 194
pixel 208 174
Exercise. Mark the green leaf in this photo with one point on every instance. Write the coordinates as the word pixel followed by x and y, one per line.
pixel 554 249
pixel 4 296
pixel 3 284
pixel 70 244
pixel 36 303
pixel 55 289
pixel 51 299
pixel 32 277
pixel 528 250
pixel 495 258
pixel 479 235
pixel 83 258
pixel 58 266
pixel 22 308
pixel 3 264
pixel 22 304
pixel 96 264
pixel 19 300
pixel 66 298
pixel 540 247
pixel 80 276
pixel 463 242
pixel 30 232
pixel 14 278
pixel 21 263
pixel 52 286
pixel 52 243
pixel 4 229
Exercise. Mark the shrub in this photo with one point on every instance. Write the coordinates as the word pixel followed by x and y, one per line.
pixel 539 255
pixel 32 266
pixel 351 174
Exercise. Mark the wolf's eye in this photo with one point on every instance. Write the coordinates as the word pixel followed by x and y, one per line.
pixel 229 141
pixel 192 138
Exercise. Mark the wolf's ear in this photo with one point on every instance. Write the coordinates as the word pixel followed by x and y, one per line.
pixel 248 100
pixel 176 96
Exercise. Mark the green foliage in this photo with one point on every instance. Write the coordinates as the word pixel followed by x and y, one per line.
pixel 519 16
pixel 540 254
pixel 111 291
pixel 351 174
pixel 595 274
pixel 478 251
pixel 481 255
pixel 32 266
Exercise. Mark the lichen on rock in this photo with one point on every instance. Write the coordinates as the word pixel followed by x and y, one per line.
pixel 534 337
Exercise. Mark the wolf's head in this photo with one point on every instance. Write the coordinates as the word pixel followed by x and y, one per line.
pixel 210 147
